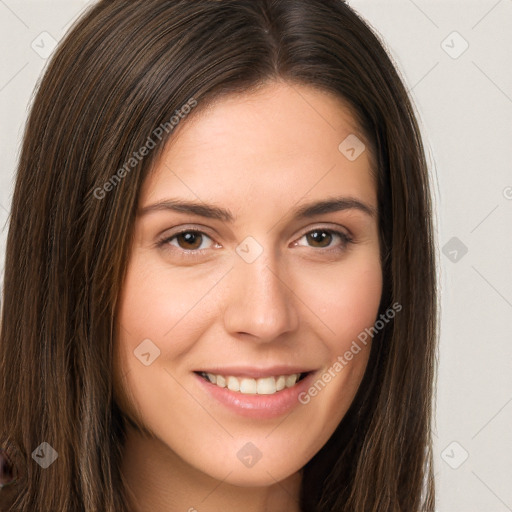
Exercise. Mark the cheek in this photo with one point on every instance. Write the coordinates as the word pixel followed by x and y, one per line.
pixel 162 311
pixel 348 300
pixel 159 302
pixel 148 311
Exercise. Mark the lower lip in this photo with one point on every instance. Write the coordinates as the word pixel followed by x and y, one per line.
pixel 259 406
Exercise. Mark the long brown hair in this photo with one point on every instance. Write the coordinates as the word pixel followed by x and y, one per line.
pixel 125 69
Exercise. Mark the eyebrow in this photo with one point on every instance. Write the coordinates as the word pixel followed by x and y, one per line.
pixel 303 212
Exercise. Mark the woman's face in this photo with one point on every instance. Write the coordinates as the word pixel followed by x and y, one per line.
pixel 251 292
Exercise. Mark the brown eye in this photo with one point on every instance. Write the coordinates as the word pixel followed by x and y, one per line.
pixel 323 239
pixel 189 240
pixel 319 236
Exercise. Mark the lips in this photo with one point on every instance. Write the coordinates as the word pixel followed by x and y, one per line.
pixel 252 401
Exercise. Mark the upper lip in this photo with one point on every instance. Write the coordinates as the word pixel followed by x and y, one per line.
pixel 255 372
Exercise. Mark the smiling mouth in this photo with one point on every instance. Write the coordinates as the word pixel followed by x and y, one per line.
pixel 249 386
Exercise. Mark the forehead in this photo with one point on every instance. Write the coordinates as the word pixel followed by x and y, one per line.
pixel 279 141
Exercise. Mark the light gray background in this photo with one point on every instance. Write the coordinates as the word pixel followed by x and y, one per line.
pixel 464 104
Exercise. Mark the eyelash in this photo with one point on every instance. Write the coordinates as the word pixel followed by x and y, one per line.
pixel 196 253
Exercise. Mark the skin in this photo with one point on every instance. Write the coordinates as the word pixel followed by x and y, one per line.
pixel 260 155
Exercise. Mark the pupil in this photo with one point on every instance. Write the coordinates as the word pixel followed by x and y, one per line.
pixel 189 238
pixel 316 239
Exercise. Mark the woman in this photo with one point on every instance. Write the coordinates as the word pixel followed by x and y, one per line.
pixel 220 279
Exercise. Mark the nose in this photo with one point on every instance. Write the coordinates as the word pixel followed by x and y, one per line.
pixel 261 301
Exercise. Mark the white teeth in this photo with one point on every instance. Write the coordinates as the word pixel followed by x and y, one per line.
pixel 233 384
pixel 266 386
pixel 248 386
pixel 291 380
